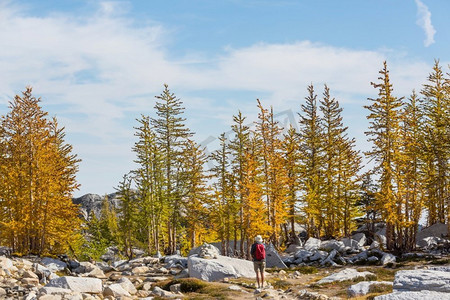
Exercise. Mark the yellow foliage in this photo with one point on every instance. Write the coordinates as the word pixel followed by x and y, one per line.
pixel 37 178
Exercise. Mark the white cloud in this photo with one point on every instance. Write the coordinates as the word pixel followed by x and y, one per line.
pixel 99 72
pixel 424 21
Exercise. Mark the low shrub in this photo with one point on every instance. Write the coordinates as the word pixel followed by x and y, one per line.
pixel 307 269
pixel 380 288
pixel 281 284
pixel 187 285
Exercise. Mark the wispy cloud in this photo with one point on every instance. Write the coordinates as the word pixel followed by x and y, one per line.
pixel 424 21
pixel 99 72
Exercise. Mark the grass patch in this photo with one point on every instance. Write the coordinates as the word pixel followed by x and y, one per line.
pixel 306 269
pixel 380 288
pixel 364 278
pixel 187 285
pixel 61 273
pixel 440 261
pixel 273 270
pixel 281 284
pixel 383 274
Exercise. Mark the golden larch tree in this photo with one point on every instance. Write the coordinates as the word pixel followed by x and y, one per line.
pixel 37 174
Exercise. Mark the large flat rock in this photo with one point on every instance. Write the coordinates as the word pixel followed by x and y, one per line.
pixel 362 288
pixel 273 259
pixel 436 230
pixel 78 284
pixel 53 265
pixel 346 274
pixel 422 295
pixel 219 268
pixel 418 280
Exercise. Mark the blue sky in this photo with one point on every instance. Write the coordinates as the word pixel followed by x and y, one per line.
pixel 98 64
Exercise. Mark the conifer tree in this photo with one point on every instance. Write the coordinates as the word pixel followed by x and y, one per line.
pixel 333 137
pixel 238 146
pixel 127 213
pixel 150 181
pixel 412 146
pixel 255 210
pixel 311 135
pixel 222 186
pixel 108 221
pixel 37 178
pixel 196 197
pixel 437 119
pixel 347 191
pixel 171 134
pixel 367 202
pixel 291 152
pixel 341 166
pixel 268 132
pixel 384 132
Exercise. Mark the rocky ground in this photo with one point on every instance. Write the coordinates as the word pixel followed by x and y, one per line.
pixel 354 267
pixel 175 277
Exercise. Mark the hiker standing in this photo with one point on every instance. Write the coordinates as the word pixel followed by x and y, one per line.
pixel 258 253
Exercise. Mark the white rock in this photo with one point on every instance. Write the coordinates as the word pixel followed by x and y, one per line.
pixel 175 288
pixel 359 257
pixel 156 279
pixel 318 255
pixel 333 245
pixel 76 296
pixel 6 263
pixel 388 258
pixel 429 242
pixel 362 288
pixel 29 274
pixel 31 296
pixel 422 295
pixel 374 245
pixel 208 251
pixel 273 260
pixel 146 286
pixel 329 259
pixel 140 270
pixel 417 280
pixel 162 293
pixel 41 271
pixel 51 297
pixel 346 274
pixel 380 237
pixel 78 284
pixel 235 288
pixel 115 290
pixel 360 238
pixel 293 248
pixel 162 270
pixel 53 264
pixel 47 290
pixel 90 270
pixel 303 254
pixel 372 259
pixel 127 285
pixel 23 263
pixel 30 281
pixel 175 260
pixel 305 294
pixel 118 263
pixel 351 243
pixel 312 244
pixel 437 230
pixel 220 268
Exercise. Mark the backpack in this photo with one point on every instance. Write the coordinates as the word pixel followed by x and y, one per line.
pixel 260 252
